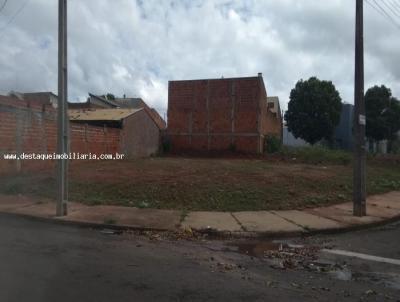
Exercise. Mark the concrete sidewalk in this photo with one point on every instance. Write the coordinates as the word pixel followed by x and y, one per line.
pixel 380 208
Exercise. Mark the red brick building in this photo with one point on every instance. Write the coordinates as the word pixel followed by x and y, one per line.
pixel 221 115
pixel 101 102
pixel 140 133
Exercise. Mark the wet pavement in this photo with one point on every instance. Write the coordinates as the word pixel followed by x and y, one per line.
pixel 319 254
pixel 317 258
pixel 47 262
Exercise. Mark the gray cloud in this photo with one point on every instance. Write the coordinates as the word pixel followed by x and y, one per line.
pixel 134 47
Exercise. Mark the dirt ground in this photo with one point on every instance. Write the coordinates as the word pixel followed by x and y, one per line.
pixel 207 184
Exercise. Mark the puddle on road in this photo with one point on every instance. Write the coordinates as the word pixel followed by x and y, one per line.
pixel 342 274
pixel 391 280
pixel 110 232
pixel 307 258
pixel 395 283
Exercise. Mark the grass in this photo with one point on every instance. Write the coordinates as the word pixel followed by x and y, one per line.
pixel 318 155
pixel 184 214
pixel 110 220
pixel 299 179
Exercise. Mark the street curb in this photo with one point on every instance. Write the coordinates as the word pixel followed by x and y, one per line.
pixel 212 234
pixel 84 224
pixel 304 233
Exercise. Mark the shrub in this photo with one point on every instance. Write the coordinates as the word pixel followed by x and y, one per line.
pixel 396 146
pixel 110 220
pixel 272 144
pixel 165 144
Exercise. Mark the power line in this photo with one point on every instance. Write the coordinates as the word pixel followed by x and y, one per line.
pixel 395 5
pixel 385 12
pixel 14 16
pixel 4 4
pixel 394 12
pixel 374 7
pixel 381 11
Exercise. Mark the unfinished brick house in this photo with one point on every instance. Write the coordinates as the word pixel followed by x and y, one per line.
pixel 98 102
pixel 140 133
pixel 28 125
pixel 228 114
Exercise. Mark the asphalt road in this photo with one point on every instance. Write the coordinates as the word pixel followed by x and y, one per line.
pixel 48 262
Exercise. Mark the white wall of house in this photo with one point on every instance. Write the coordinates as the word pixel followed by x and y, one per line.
pixel 378 147
pixel 290 141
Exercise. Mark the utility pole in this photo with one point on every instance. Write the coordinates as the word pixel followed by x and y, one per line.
pixel 62 118
pixel 359 174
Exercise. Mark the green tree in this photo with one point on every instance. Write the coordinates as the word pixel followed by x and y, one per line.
pixel 383 114
pixel 377 100
pixel 393 120
pixel 314 110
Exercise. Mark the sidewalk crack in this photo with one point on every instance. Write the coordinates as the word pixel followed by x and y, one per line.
pixel 288 220
pixel 238 222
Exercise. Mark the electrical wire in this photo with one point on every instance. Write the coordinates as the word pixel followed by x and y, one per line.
pixel 385 12
pixel 21 8
pixel 395 6
pixel 4 4
pixel 382 11
pixel 394 12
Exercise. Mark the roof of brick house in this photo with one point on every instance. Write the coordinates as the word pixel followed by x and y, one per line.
pixel 100 114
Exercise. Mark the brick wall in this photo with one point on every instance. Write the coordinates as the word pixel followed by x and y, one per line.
pixel 32 128
pixel 92 139
pixel 216 115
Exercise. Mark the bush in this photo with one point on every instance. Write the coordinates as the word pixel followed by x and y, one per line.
pixel 396 146
pixel 232 148
pixel 272 144
pixel 165 144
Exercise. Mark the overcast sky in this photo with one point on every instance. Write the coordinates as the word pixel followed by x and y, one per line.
pixel 134 47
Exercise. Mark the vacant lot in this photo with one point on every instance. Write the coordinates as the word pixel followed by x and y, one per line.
pixel 209 184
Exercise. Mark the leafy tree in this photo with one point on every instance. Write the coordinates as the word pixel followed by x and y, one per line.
pixel 393 120
pixel 314 110
pixel 383 114
pixel 377 100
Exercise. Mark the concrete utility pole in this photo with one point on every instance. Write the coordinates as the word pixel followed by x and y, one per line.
pixel 359 175
pixel 63 131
